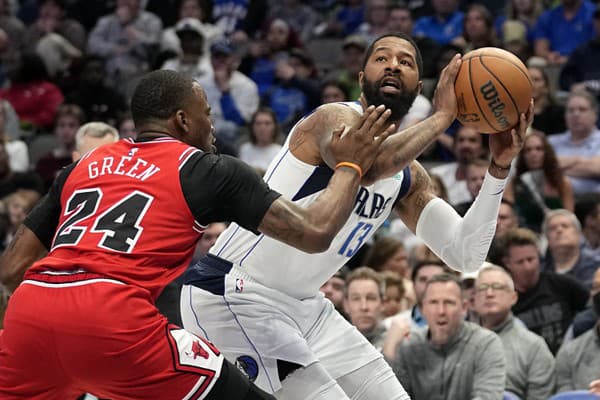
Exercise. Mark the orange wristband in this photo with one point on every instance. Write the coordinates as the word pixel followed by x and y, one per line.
pixel 355 167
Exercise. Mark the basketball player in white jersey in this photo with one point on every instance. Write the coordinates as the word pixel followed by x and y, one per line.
pixel 258 300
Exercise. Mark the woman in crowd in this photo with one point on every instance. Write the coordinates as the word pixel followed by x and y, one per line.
pixel 539 184
pixel 264 134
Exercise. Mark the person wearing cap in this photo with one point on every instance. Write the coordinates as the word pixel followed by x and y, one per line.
pixel 529 362
pixel 232 95
pixel 353 50
pixel 192 60
pixel 188 10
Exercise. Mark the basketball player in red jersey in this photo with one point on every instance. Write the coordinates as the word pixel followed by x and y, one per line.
pixel 120 224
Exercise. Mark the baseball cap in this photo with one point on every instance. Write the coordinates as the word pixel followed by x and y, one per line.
pixel 355 41
pixel 514 31
pixel 189 25
pixel 221 46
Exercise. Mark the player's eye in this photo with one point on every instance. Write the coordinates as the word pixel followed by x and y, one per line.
pixel 381 58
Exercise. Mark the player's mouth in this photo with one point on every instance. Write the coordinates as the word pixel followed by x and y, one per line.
pixel 390 85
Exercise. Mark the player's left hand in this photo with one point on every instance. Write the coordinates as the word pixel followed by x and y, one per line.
pixel 505 146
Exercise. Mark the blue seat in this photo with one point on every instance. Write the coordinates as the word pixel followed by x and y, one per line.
pixel 510 396
pixel 575 395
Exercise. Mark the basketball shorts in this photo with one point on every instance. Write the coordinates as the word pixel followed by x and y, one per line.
pixel 68 335
pixel 256 327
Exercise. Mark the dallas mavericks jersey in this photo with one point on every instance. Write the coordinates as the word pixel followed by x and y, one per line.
pixel 284 268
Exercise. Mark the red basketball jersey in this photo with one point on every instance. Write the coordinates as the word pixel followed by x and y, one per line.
pixel 124 215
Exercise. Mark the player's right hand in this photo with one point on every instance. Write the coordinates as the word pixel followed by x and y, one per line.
pixel 360 143
pixel 444 97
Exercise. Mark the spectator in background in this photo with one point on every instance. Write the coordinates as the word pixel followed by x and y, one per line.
pixel 456 358
pixel 127 39
pixel 265 52
pixel 562 29
pixel 335 288
pixel 529 362
pixel 18 153
pixel 190 10
pixel 33 96
pixel 353 50
pixel 444 26
pixel 92 135
pixel 11 181
pixel 578 149
pixel 525 11
pixel 421 274
pixel 507 220
pixel 538 184
pixel 295 91
pixel 191 59
pixel 478 28
pixel 468 145
pixel 587 210
pixel 549 115
pixel 401 20
pixel 393 295
pixel 547 301
pixel 514 39
pixel 581 70
pixel 69 118
pixel 18 204
pixel 389 254
pixel 98 101
pixel 239 20
pixel 232 95
pixel 567 253
pixel 52 18
pixel 12 38
pixel 264 135
pixel 474 175
pixel 333 91
pixel 301 17
pixel 344 20
pixel 577 362
pixel 126 127
pixel 363 302
pixel 376 20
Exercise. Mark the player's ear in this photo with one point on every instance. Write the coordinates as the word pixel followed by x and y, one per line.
pixel 420 87
pixel 182 121
pixel 361 77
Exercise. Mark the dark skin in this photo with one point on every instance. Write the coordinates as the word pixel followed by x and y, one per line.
pixel 395 58
pixel 309 229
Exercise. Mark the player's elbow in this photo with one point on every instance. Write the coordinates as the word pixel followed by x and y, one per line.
pixel 319 241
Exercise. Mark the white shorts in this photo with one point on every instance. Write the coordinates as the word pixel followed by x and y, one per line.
pixel 254 326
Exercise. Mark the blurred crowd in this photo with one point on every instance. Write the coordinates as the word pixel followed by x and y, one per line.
pixel 529 318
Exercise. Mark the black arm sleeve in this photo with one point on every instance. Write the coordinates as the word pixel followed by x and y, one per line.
pixel 43 219
pixel 223 188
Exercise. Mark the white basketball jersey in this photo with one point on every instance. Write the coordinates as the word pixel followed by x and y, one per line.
pixel 282 267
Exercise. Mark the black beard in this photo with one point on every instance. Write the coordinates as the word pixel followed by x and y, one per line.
pixel 399 103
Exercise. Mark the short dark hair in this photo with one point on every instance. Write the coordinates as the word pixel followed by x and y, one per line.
pixel 159 95
pixel 586 205
pixel 426 263
pixel 400 36
pixel 443 278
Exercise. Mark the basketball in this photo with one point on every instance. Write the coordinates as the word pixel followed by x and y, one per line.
pixel 492 89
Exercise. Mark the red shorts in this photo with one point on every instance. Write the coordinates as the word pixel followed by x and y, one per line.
pixel 102 337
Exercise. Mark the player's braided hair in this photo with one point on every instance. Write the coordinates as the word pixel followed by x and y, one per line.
pixel 159 94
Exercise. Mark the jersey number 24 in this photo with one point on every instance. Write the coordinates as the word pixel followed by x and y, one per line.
pixel 120 223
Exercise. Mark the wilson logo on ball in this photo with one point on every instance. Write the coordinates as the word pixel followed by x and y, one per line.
pixel 496 106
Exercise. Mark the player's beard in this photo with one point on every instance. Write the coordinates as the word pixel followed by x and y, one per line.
pixel 398 103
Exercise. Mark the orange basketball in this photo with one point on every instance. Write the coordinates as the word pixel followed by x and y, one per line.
pixel 492 89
